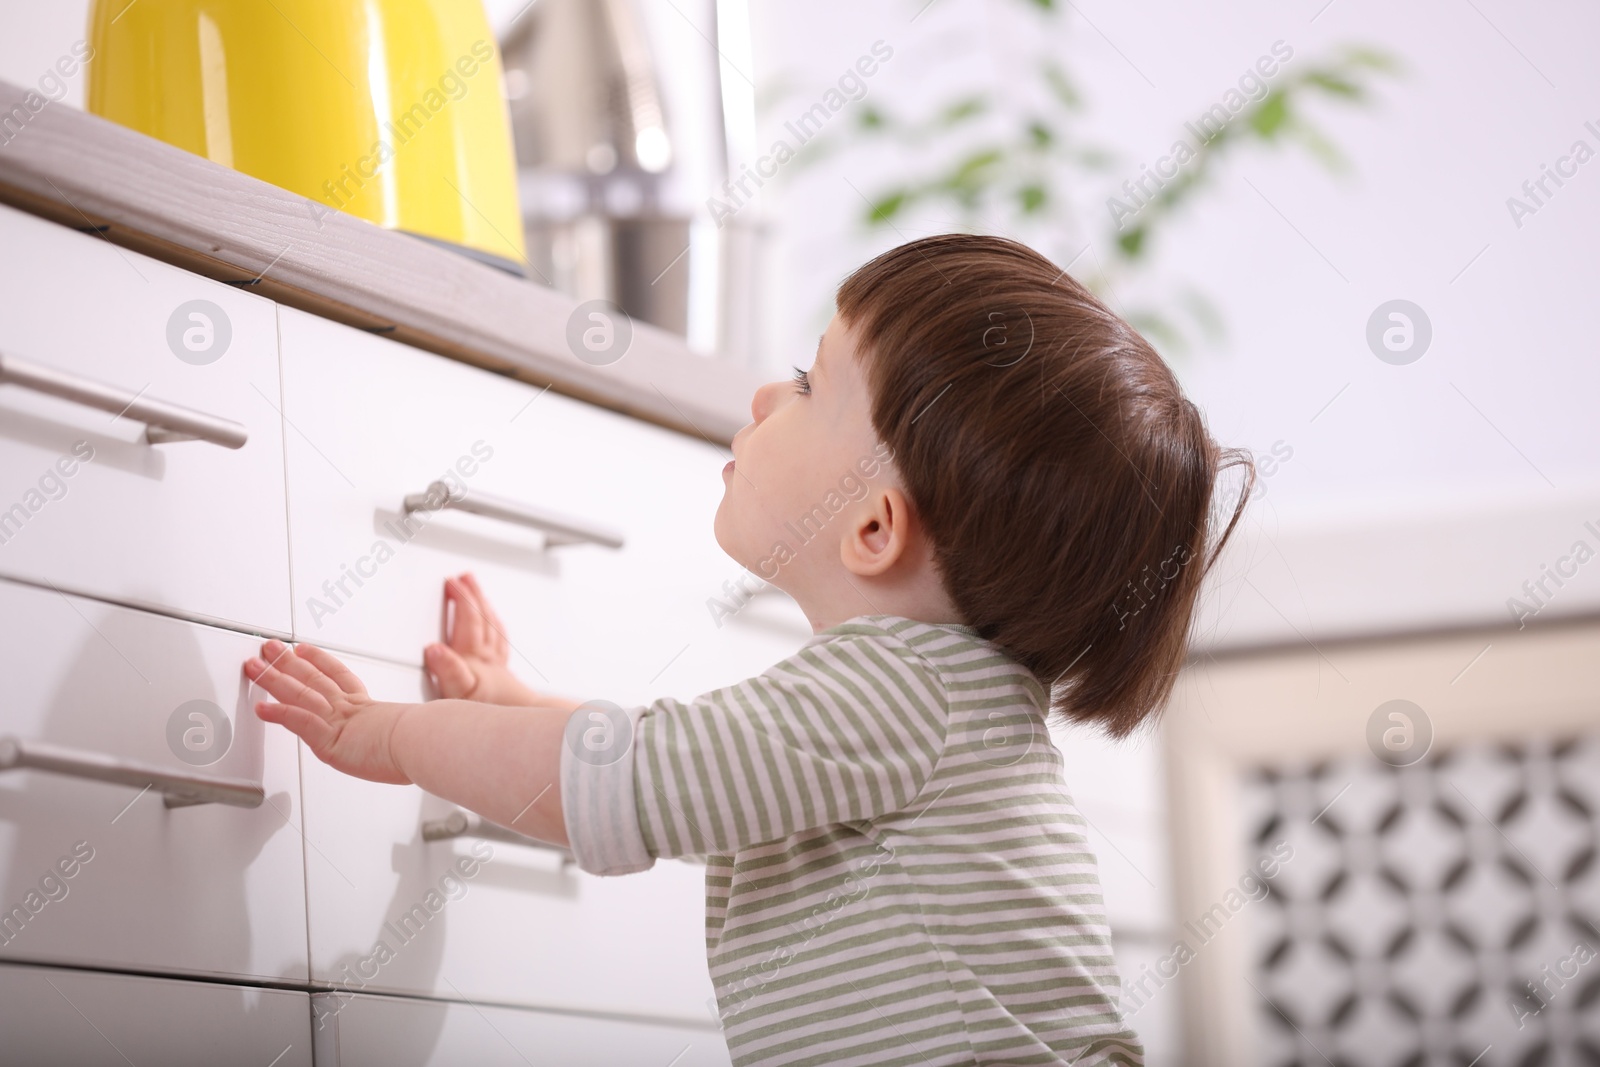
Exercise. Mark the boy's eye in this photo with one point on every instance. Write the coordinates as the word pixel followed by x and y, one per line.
pixel 802 381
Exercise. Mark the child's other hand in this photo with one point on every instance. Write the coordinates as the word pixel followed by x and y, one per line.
pixel 324 703
pixel 472 664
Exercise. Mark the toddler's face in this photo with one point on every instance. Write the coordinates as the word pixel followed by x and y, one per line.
pixel 801 469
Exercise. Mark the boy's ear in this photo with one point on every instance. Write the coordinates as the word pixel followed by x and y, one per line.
pixel 878 534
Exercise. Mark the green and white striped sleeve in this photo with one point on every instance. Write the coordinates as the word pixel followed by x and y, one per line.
pixel 846 730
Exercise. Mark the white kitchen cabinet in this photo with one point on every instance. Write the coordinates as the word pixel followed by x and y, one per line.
pixel 55 1017
pixel 87 503
pixel 106 875
pixel 474 919
pixel 368 1031
pixel 134 569
pixel 375 421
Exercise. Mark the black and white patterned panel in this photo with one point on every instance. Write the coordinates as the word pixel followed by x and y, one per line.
pixel 1447 912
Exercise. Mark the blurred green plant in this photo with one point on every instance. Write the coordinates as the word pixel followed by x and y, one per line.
pixel 1024 175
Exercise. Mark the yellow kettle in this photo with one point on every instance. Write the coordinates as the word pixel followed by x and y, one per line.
pixel 391 110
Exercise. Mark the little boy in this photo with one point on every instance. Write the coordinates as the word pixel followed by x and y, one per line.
pixel 896 872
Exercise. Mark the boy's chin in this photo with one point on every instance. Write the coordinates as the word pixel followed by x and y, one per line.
pixel 719 529
pixel 728 540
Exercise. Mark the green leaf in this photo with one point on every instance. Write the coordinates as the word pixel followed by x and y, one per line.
pixel 1032 198
pixel 1268 118
pixel 962 110
pixel 887 207
pixel 1132 242
pixel 1325 150
pixel 1175 190
pixel 1373 59
pixel 870 118
pixel 970 173
pixel 1335 84
pixel 1061 85
pixel 1040 135
pixel 1045 5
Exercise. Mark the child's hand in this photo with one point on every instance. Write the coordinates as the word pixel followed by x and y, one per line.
pixel 326 705
pixel 474 663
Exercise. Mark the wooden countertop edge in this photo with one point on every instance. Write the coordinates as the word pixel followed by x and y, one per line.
pixel 91 174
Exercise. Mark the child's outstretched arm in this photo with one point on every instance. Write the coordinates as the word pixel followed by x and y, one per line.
pixel 502 762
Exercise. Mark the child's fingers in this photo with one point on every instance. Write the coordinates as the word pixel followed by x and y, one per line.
pixel 273 651
pixel 281 687
pixel 478 598
pixel 306 725
pixel 303 670
pixel 451 675
pixel 337 672
pixel 291 679
pixel 467 635
pixel 454 632
pixel 496 629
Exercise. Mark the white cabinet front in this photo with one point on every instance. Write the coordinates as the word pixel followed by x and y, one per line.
pixel 366 1031
pixel 487 920
pixel 374 422
pixel 53 1017
pixel 141 445
pixel 107 712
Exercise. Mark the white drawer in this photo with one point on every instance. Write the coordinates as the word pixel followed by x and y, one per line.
pixel 376 421
pixel 366 1031
pixel 494 921
pixel 106 875
pixel 62 1018
pixel 190 527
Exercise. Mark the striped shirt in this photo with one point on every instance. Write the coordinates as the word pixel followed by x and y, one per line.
pixel 895 871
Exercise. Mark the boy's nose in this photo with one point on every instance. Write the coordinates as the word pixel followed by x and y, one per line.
pixel 761 404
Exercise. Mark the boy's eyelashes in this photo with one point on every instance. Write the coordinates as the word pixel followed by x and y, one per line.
pixel 803 381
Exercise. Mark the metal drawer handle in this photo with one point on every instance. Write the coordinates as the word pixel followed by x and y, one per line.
pixel 465 824
pixel 164 422
pixel 180 789
pixel 558 529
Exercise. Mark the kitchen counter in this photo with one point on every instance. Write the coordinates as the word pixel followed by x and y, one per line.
pixel 91 174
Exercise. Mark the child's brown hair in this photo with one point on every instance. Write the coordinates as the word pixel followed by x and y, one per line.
pixel 1064 479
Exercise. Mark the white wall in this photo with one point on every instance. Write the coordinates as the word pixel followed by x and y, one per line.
pixel 34 35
